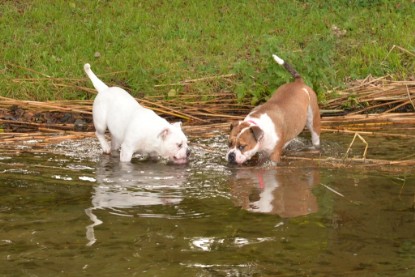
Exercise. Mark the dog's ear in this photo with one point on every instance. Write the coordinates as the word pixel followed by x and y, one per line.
pixel 233 125
pixel 177 124
pixel 257 133
pixel 164 133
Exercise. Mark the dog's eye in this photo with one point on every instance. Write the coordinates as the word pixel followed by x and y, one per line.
pixel 241 147
pixel 180 145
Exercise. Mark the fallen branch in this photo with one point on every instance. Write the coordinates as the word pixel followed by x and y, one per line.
pixel 332 190
pixel 182 83
pixel 340 162
pixel 368 133
pixel 399 48
pixel 409 96
pixel 351 144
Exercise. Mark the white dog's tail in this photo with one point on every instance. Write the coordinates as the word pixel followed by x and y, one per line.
pixel 287 66
pixel 98 84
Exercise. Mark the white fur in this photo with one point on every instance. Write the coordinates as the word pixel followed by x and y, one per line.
pixel 315 138
pixel 264 203
pixel 308 94
pixel 270 139
pixel 133 127
pixel 278 59
pixel 266 144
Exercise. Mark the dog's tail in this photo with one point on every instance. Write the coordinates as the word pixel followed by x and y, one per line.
pixel 287 66
pixel 98 84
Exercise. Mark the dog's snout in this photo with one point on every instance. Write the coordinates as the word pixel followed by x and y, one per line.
pixel 188 151
pixel 232 157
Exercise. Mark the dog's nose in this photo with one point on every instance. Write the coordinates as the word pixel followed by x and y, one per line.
pixel 188 151
pixel 232 157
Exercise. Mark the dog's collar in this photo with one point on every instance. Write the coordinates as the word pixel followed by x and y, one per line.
pixel 252 122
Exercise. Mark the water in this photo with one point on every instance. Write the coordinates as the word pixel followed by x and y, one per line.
pixel 70 211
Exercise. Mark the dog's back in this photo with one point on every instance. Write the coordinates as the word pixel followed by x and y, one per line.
pixel 300 106
pixel 313 113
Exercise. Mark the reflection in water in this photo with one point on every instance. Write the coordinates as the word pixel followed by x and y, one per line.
pixel 42 196
pixel 283 191
pixel 208 243
pixel 127 185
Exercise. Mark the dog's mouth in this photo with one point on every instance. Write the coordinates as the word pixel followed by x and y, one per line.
pixel 179 160
pixel 231 157
pixel 232 160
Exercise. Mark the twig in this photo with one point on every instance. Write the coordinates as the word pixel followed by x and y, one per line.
pixel 340 162
pixel 182 83
pixel 400 48
pixel 45 105
pixel 170 111
pixel 350 146
pixel 368 133
pixel 332 190
pixel 29 69
pixel 398 106
pixel 409 96
pixel 88 90
pixel 366 83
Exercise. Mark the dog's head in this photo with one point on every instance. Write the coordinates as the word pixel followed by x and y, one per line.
pixel 243 141
pixel 174 144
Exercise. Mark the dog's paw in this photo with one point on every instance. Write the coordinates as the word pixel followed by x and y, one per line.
pixel 126 154
pixel 314 148
pixel 272 163
pixel 106 149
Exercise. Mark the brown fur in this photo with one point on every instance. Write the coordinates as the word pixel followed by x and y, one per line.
pixel 248 141
pixel 287 108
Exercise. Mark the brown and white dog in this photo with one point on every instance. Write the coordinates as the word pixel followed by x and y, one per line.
pixel 270 127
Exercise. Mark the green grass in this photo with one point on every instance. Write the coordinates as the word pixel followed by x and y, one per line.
pixel 164 42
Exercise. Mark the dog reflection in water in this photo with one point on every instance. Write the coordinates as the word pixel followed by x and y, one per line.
pixel 122 186
pixel 282 191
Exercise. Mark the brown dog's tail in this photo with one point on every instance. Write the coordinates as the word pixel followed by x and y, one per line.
pixel 287 66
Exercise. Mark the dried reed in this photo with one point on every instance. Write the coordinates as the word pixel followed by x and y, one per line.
pixel 378 102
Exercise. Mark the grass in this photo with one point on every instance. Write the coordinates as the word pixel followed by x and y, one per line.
pixel 164 42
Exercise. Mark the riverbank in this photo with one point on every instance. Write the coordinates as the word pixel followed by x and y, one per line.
pixel 365 107
pixel 150 47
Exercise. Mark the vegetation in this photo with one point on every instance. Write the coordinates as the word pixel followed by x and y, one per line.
pixel 151 46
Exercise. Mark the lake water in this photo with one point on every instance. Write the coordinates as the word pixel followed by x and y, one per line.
pixel 70 211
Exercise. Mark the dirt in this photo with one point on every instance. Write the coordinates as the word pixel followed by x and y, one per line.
pixel 19 120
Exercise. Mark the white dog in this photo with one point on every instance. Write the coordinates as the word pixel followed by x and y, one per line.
pixel 133 127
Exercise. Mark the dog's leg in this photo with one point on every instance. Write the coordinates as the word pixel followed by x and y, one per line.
pixel 100 124
pixel 115 144
pixel 126 153
pixel 313 125
pixel 276 154
pixel 100 128
pixel 106 148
